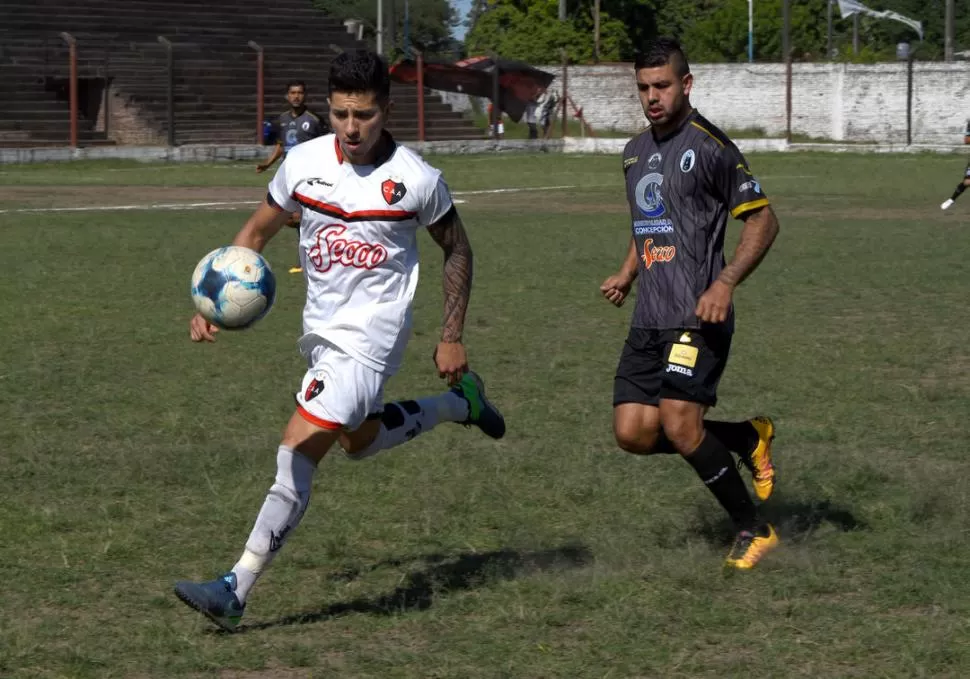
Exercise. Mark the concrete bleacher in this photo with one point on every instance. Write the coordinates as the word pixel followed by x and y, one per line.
pixel 123 78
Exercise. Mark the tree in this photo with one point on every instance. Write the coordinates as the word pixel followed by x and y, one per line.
pixel 530 30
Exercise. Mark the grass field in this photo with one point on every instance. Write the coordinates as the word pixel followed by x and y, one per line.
pixel 130 458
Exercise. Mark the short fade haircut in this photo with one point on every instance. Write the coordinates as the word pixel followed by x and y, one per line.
pixel 660 52
pixel 360 71
pixel 296 83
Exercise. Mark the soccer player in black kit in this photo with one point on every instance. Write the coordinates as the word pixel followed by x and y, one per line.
pixel 294 126
pixel 684 178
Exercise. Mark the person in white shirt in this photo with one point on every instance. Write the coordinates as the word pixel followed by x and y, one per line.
pixel 363 199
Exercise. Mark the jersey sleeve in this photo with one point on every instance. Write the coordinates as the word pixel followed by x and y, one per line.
pixel 735 184
pixel 281 189
pixel 630 157
pixel 437 203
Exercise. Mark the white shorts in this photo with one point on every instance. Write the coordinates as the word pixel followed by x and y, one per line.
pixel 338 392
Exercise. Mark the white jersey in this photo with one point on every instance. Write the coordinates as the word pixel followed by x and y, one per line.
pixel 358 244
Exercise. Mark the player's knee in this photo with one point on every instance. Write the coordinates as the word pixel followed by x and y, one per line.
pixel 362 443
pixel 684 433
pixel 354 449
pixel 635 438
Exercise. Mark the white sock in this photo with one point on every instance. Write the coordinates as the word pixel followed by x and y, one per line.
pixel 404 420
pixel 281 512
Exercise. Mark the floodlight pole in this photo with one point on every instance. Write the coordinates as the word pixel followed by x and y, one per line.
pixel 750 31
pixel 260 95
pixel 948 32
pixel 380 27
pixel 420 65
pixel 785 28
pixel 170 96
pixel 72 85
pixel 828 40
pixel 596 31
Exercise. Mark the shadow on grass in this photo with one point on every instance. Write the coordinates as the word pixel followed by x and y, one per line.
pixel 442 574
pixel 794 520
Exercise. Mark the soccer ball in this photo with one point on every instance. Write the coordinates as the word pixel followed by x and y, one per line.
pixel 233 287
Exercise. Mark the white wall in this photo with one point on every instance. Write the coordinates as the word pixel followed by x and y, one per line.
pixel 842 102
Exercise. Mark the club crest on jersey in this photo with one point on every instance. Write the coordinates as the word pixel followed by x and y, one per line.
pixel 393 191
pixel 649 198
pixel 687 161
pixel 313 389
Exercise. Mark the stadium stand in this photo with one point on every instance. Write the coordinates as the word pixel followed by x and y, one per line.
pixel 123 77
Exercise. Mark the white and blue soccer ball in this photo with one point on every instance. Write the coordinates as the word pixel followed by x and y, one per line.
pixel 233 287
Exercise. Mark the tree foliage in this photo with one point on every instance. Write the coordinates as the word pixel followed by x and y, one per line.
pixel 530 30
pixel 711 30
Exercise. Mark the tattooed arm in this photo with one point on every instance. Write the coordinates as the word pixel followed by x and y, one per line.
pixel 449 233
pixel 757 235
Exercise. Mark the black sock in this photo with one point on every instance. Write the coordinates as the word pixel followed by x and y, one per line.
pixel 738 437
pixel 713 463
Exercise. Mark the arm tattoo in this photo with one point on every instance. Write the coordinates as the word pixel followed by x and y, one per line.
pixel 449 233
pixel 760 229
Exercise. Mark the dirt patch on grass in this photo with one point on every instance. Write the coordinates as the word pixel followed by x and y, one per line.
pixel 546 202
pixel 14 197
pixel 862 213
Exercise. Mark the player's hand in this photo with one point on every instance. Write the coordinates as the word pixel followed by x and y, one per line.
pixel 616 288
pixel 451 360
pixel 201 329
pixel 261 168
pixel 715 303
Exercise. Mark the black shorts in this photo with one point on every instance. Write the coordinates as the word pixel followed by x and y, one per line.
pixel 684 365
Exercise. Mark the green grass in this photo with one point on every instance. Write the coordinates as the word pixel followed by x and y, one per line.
pixel 132 458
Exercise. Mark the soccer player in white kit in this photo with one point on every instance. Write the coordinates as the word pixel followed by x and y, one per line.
pixel 363 199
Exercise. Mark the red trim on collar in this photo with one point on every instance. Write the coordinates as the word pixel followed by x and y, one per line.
pixel 389 141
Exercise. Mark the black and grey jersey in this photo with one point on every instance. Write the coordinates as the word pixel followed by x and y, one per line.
pixel 681 189
pixel 295 130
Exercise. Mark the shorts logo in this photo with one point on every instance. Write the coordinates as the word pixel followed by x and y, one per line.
pixel 649 198
pixel 313 389
pixel 657 253
pixel 683 354
pixel 330 248
pixel 671 368
pixel 393 191
pixel 687 161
